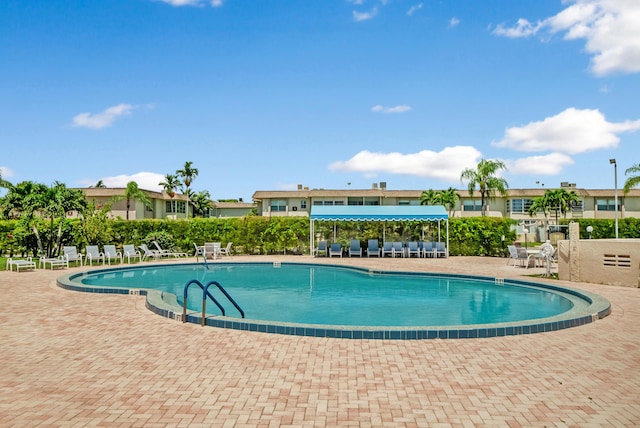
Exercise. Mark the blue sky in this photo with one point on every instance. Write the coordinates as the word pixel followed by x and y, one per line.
pixel 335 94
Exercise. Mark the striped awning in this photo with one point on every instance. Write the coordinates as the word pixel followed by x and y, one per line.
pixel 378 213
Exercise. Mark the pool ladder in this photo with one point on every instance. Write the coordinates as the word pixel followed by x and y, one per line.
pixel 205 294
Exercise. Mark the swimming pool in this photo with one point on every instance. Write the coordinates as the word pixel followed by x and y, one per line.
pixel 338 301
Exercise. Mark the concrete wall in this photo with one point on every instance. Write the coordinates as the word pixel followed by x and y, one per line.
pixel 600 261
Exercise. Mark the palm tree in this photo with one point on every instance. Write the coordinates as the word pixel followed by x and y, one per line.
pixel 188 174
pixel 133 192
pixel 634 177
pixel 201 202
pixel 485 179
pixel 170 184
pixel 561 201
pixel 429 197
pixel 448 198
pixel 100 184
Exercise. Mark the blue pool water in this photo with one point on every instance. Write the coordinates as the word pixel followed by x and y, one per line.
pixel 331 295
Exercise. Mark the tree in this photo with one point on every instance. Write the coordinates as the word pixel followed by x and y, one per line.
pixel 29 200
pixel 170 184
pixel 100 184
pixel 188 173
pixel 429 197
pixel 484 177
pixel 561 201
pixel 634 177
pixel 448 198
pixel 133 192
pixel 201 202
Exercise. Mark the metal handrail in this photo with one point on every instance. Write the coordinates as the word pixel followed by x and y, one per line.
pixel 205 294
pixel 221 288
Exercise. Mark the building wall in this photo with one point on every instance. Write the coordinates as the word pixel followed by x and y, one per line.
pixel 600 261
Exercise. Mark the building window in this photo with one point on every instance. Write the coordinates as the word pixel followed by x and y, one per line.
pixel 519 205
pixel 328 202
pixel 403 203
pixel 176 207
pixel 372 201
pixel 278 205
pixel 355 201
pixel 608 204
pixel 303 204
pixel 472 205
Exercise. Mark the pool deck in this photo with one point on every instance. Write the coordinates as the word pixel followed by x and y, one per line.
pixel 80 359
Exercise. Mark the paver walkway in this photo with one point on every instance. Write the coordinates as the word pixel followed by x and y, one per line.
pixel 80 359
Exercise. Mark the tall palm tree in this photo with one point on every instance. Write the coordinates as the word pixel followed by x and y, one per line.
pixel 484 177
pixel 188 173
pixel 133 192
pixel 448 198
pixel 634 177
pixel 170 184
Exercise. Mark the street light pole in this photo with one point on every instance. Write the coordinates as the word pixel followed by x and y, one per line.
pixel 615 181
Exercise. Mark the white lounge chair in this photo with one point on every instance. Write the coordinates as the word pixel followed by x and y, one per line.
pixel 53 262
pixel 129 251
pixel 226 251
pixel 22 264
pixel 168 253
pixel 93 254
pixel 148 253
pixel 70 253
pixel 110 253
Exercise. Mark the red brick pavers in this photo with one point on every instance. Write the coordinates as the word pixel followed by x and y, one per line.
pixel 81 359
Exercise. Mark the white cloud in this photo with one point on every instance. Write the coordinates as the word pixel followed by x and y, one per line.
pixel 145 180
pixel 550 164
pixel 453 22
pixel 358 2
pixel 363 16
pixel 183 2
pixel 611 29
pixel 414 8
pixel 387 110
pixel 571 131
pixel 444 165
pixel 103 119
pixel 5 172
pixel 178 3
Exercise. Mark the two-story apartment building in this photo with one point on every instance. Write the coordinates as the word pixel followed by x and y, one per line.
pixel 592 203
pixel 162 205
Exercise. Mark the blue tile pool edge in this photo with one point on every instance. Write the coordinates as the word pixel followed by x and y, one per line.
pixel 166 305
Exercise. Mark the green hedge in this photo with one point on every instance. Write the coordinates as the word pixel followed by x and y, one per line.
pixel 473 236
pixel 604 229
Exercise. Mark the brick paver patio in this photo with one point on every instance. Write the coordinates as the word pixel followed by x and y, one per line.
pixel 81 359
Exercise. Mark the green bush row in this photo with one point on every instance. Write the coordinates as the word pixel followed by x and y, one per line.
pixel 473 236
pixel 628 227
